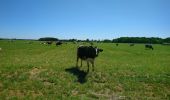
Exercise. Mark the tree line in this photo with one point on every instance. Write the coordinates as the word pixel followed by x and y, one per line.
pixel 154 40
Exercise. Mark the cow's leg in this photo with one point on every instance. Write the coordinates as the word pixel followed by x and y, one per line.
pixel 77 61
pixel 88 66
pixel 81 62
pixel 92 62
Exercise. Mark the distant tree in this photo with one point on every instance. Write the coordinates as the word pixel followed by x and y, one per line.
pixel 72 40
pixel 48 39
pixel 167 40
pixel 137 40
pixel 87 40
pixel 107 41
pixel 78 40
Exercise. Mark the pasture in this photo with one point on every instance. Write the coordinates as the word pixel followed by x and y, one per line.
pixel 38 71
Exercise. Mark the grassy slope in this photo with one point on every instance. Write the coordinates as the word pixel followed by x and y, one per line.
pixel 32 71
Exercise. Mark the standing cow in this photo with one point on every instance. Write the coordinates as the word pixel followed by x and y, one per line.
pixel 87 53
pixel 58 43
pixel 131 44
pixel 49 42
pixel 149 46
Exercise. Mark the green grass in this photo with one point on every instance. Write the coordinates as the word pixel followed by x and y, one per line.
pixel 37 71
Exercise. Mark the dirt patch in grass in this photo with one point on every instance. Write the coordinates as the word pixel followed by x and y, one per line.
pixel 16 93
pixel 21 94
pixel 1 85
pixel 105 95
pixel 118 88
pixel 47 83
pixel 36 94
pixel 35 72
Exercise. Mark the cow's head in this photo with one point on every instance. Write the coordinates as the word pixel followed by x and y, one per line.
pixel 98 50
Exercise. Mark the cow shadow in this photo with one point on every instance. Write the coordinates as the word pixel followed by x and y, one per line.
pixel 81 75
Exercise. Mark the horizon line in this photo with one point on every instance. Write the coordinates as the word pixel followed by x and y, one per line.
pixel 75 38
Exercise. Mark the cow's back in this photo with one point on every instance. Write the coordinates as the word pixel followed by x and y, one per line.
pixel 85 52
pixel 149 46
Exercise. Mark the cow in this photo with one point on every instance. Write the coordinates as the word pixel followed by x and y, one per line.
pixel 74 42
pixel 49 42
pixel 117 44
pixel 58 43
pixel 30 42
pixel 87 53
pixel 131 44
pixel 149 46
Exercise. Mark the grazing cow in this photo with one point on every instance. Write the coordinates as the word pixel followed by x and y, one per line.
pixel 43 43
pixel 131 44
pixel 49 42
pixel 74 42
pixel 58 43
pixel 29 42
pixel 149 46
pixel 87 53
pixel 117 44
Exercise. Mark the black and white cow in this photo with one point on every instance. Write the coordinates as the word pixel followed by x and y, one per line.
pixel 58 43
pixel 49 42
pixel 149 46
pixel 87 53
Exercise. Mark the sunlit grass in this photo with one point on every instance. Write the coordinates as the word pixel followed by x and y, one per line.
pixel 37 71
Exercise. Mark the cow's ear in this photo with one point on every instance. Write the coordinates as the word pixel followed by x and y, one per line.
pixel 101 50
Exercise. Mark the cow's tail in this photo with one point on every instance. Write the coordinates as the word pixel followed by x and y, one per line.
pixel 77 57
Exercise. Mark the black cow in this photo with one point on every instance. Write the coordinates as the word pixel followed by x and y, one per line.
pixel 29 42
pixel 131 44
pixel 149 46
pixel 49 42
pixel 87 53
pixel 117 44
pixel 58 43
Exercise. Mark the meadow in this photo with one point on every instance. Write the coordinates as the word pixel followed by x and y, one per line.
pixel 38 71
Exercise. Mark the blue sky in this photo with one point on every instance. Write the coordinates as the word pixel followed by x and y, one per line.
pixel 82 19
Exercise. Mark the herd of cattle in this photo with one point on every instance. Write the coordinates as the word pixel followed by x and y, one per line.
pixel 147 46
pixel 50 42
pixel 87 53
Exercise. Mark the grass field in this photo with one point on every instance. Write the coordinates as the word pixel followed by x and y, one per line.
pixel 37 71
